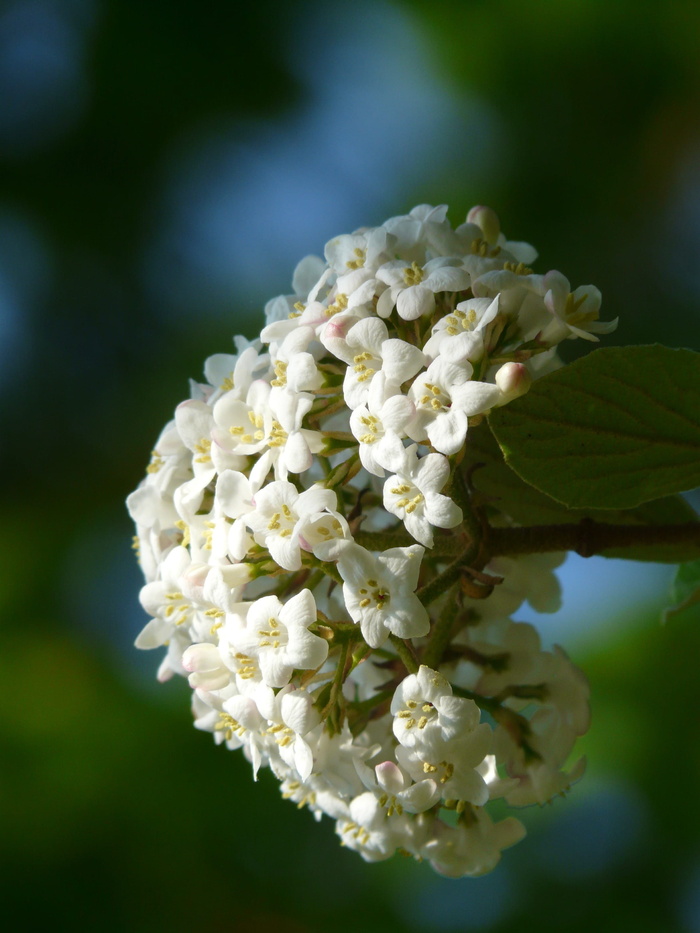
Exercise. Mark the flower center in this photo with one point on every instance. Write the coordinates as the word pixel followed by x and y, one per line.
pixel 417 714
pixel 272 637
pixel 374 593
pixel 435 398
pixel 413 274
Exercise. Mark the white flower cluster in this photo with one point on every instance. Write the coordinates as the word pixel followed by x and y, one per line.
pixel 304 531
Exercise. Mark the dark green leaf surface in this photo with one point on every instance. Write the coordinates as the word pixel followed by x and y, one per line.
pixel 528 506
pixel 685 591
pixel 613 430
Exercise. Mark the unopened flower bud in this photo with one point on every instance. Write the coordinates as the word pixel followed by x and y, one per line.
pixel 487 219
pixel 208 671
pixel 513 380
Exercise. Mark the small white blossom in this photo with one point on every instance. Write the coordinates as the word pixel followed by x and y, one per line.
pixel 277 636
pixel 379 592
pixel 413 495
pixel 412 287
pixel 446 397
pixel 367 349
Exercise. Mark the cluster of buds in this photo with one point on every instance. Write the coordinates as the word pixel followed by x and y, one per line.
pixel 308 533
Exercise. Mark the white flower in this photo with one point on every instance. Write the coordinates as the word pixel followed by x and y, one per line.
pixel 367 349
pixel 206 668
pixel 422 231
pixel 243 427
pixel 412 494
pixel 364 251
pixel 425 711
pixel 446 397
pixel 379 592
pixel 293 365
pixel 368 830
pixel 576 314
pixel 380 425
pixel 472 847
pixel 395 791
pixel 454 765
pixel 412 287
pixel 280 514
pixel 460 335
pixel 291 717
pixel 277 636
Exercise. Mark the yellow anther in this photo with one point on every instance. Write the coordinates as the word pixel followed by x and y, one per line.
pixel 519 268
pixel 184 528
pixel 340 304
pixel 413 275
pixel 229 726
pixel 479 247
pixel 414 503
pixel 359 261
pixel 156 462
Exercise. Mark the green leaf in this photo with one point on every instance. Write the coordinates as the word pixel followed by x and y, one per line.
pixel 616 428
pixel 685 589
pixel 528 506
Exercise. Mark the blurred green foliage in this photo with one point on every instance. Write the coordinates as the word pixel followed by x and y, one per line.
pixel 115 814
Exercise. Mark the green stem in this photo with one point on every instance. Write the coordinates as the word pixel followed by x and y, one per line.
pixel 441 632
pixel 444 546
pixel 437 587
pixel 405 651
pixel 327 567
pixel 366 706
pixel 516 726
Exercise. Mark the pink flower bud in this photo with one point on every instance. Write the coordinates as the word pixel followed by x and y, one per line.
pixel 513 380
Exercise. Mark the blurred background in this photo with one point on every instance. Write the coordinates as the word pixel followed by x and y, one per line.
pixel 163 166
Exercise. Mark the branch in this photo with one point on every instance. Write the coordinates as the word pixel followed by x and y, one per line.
pixel 586 537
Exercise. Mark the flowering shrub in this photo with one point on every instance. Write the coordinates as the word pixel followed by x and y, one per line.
pixel 320 555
